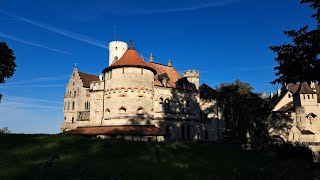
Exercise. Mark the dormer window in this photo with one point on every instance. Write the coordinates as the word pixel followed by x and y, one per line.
pixel 163 78
pixel 164 82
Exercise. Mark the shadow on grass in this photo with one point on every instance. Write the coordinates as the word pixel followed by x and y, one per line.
pixel 85 157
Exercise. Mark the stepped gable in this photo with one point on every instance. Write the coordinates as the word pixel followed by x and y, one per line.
pixel 130 58
pixel 87 79
pixel 304 88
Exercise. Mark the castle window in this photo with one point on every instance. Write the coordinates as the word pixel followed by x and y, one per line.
pixel 167 106
pixel 74 93
pixel 72 105
pixel 312 96
pixel 308 96
pixel 115 58
pixel 161 104
pixel 73 74
pixel 68 105
pixel 289 95
pixel 73 83
pixel 65 103
pixel 164 82
pixel 110 75
pixel 182 132
pixel 304 96
pixel 87 105
pixel 72 120
pixel 140 111
pixel 188 132
pixel 122 70
pixel 168 131
pixel 141 71
pixel 122 110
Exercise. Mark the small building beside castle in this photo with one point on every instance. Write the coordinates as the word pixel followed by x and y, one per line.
pixel 138 100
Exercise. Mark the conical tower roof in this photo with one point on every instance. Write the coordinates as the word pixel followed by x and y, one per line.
pixel 130 58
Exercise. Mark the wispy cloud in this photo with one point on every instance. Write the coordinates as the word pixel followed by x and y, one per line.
pixel 195 7
pixel 25 103
pixel 60 31
pixel 34 85
pixel 7 36
pixel 40 79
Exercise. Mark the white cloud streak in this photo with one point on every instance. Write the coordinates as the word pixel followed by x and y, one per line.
pixel 24 103
pixel 220 3
pixel 41 79
pixel 51 28
pixel 35 86
pixel 7 36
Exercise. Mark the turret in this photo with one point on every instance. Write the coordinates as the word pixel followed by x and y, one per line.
pixel 192 76
pixel 116 50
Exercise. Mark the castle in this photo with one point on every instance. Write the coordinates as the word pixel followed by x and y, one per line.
pixel 137 100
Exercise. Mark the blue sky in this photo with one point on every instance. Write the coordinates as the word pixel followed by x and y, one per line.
pixel 224 39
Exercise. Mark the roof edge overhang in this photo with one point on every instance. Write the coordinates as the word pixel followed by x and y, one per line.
pixel 120 66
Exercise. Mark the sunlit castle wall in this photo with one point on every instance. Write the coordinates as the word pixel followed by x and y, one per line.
pixel 116 50
pixel 129 95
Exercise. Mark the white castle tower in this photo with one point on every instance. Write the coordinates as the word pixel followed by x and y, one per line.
pixel 116 50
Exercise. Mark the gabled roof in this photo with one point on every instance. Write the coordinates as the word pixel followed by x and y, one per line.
pixel 130 58
pixel 307 132
pixel 287 107
pixel 311 114
pixel 206 92
pixel 87 79
pixel 171 72
pixel 122 130
pixel 304 88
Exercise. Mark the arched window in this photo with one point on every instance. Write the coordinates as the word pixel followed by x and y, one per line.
pixel 167 106
pixel 140 111
pixel 122 110
pixel 68 105
pixel 72 105
pixel 161 104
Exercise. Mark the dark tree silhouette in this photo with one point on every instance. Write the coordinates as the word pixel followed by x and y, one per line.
pixel 245 112
pixel 7 64
pixel 299 61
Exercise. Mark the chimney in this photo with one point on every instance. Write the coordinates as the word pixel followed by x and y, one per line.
pixel 264 95
pixel 271 94
pixel 313 86
pixel 169 63
pixel 151 58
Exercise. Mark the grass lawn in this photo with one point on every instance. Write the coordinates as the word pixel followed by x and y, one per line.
pixel 22 155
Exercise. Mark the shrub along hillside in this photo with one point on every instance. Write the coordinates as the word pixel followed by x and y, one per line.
pixel 22 157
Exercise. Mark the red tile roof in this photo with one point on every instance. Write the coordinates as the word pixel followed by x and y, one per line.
pixel 130 58
pixel 147 130
pixel 304 88
pixel 87 78
pixel 171 72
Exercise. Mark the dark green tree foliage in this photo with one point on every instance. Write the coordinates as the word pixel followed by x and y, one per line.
pixel 244 112
pixel 299 60
pixel 7 64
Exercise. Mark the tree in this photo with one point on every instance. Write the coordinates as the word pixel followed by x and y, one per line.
pixel 299 61
pixel 245 112
pixel 7 63
pixel 4 130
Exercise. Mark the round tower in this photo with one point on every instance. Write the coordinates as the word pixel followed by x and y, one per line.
pixel 116 50
pixel 192 76
pixel 129 91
